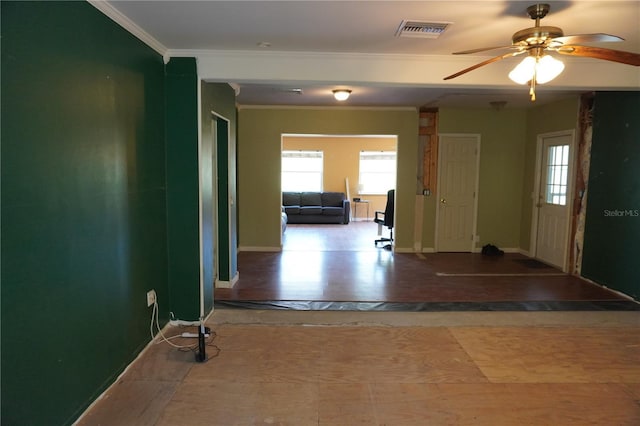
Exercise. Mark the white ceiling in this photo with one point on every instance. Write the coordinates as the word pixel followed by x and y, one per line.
pixel 320 45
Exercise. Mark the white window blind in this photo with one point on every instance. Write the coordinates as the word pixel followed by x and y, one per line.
pixel 377 172
pixel 302 170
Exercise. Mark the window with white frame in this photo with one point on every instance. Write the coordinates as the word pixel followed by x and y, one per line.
pixel 302 171
pixel 377 172
pixel 557 175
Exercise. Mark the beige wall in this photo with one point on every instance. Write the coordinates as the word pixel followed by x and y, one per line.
pixel 341 160
pixel 507 164
pixel 260 133
pixel 502 143
pixel 507 159
pixel 558 116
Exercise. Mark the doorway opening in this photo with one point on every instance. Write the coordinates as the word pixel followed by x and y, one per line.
pixel 216 251
pixel 356 165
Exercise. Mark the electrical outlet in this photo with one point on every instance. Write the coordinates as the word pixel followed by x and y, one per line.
pixel 151 297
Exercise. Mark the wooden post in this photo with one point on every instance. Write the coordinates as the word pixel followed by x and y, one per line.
pixel 428 129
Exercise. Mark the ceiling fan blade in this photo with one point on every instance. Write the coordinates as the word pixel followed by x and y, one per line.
pixel 621 56
pixel 482 49
pixel 587 38
pixel 481 64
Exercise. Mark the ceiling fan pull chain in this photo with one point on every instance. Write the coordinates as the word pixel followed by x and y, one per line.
pixel 532 89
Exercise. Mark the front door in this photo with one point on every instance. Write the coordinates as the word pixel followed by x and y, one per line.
pixel 458 178
pixel 552 205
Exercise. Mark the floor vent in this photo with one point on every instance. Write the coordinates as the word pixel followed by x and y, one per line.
pixel 422 29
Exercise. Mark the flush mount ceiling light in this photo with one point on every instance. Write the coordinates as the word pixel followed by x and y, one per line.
pixel 341 94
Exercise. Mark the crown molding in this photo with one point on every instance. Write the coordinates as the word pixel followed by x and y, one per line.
pixel 301 55
pixel 235 87
pixel 119 18
pixel 330 108
pixel 367 68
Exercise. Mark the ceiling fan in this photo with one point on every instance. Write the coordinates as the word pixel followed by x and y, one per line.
pixel 539 67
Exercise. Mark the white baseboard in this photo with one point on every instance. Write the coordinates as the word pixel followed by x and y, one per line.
pixel 411 250
pixel 121 375
pixel 228 284
pixel 253 248
pixel 511 249
pixel 183 323
pixel 414 250
pixel 403 250
pixel 619 293
pixel 505 249
pixel 179 322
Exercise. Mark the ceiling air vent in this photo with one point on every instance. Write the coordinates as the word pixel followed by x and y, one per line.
pixel 421 29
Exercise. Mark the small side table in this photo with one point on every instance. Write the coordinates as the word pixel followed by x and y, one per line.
pixel 355 208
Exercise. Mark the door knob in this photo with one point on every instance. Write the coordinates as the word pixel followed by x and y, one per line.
pixel 443 201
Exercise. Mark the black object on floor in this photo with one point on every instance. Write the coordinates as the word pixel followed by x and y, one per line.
pixel 491 250
pixel 201 354
pixel 306 305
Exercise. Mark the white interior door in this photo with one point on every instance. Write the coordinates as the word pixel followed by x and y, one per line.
pixel 553 199
pixel 457 183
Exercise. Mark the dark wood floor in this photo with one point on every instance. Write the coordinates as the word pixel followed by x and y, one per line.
pixel 341 263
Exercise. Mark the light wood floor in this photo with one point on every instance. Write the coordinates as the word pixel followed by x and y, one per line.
pixel 296 368
pixel 355 236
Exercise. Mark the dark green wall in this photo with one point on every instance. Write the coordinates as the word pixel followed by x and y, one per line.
pixel 183 233
pixel 222 156
pixel 83 206
pixel 612 228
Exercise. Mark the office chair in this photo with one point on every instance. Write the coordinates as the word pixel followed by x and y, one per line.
pixel 386 220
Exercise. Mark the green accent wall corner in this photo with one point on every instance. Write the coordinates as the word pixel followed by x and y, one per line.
pixel 612 227
pixel 183 233
pixel 83 206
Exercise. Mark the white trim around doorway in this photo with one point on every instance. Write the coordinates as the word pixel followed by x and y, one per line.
pixel 536 191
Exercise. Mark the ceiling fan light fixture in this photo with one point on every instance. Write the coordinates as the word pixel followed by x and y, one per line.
pixel 543 69
pixel 548 68
pixel 341 94
pixel 524 71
